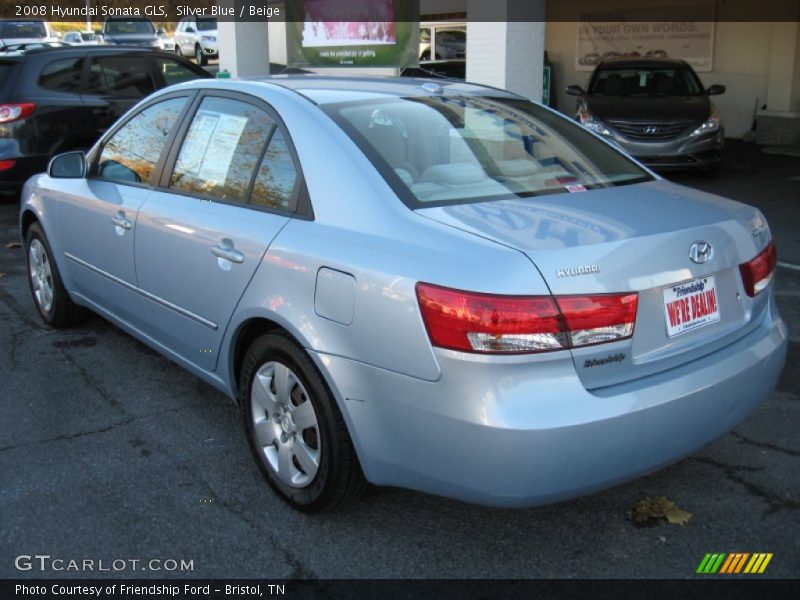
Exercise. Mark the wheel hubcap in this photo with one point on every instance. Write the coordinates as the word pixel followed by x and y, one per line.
pixel 285 424
pixel 40 275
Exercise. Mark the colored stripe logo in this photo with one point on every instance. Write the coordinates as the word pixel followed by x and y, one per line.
pixel 734 563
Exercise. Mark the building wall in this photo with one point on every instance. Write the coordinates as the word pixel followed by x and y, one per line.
pixel 741 63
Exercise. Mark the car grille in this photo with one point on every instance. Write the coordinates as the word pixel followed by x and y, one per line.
pixel 652 132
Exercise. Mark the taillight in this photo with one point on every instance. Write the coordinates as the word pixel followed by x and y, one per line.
pixel 14 112
pixel 488 323
pixel 5 165
pixel 757 273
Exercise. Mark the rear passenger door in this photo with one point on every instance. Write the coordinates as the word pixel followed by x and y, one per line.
pixel 60 116
pixel 228 188
pixel 114 83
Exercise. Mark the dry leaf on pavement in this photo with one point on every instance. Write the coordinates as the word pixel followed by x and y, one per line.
pixel 657 508
pixel 10 245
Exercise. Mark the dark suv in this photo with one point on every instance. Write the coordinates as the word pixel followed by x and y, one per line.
pixel 657 110
pixel 58 99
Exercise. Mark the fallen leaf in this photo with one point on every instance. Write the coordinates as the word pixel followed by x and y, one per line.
pixel 657 508
pixel 10 245
pixel 676 516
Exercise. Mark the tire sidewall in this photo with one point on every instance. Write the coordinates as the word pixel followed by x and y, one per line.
pixel 35 233
pixel 278 348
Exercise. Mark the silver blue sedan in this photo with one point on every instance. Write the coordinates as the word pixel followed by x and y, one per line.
pixel 438 286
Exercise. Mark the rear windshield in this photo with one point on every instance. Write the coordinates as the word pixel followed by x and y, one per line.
pixel 6 69
pixel 22 29
pixel 646 82
pixel 88 37
pixel 129 27
pixel 439 150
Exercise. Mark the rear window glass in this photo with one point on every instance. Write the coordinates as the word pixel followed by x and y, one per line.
pixel 62 75
pixel 22 29
pixel 5 73
pixel 141 27
pixel 438 150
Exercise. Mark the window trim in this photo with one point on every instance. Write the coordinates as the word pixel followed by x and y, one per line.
pixel 94 158
pixel 299 200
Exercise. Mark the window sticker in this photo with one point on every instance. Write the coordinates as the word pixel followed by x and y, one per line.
pixel 209 149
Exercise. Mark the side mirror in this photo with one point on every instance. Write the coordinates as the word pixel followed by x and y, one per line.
pixel 162 31
pixel 715 90
pixel 190 30
pixel 70 165
pixel 575 90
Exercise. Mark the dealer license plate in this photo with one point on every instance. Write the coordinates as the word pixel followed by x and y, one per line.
pixel 691 305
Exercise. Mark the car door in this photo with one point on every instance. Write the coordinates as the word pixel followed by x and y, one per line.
pixel 97 215
pixel 114 83
pixel 227 190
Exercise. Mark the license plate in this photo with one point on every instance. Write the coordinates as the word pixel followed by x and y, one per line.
pixel 690 305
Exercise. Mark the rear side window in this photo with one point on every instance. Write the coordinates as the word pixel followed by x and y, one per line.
pixel 174 71
pixel 62 75
pixel 221 149
pixel 6 69
pixel 130 156
pixel 276 176
pixel 123 76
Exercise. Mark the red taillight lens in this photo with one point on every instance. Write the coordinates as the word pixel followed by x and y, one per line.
pixel 757 273
pixel 488 323
pixel 14 112
pixel 5 165
pixel 598 319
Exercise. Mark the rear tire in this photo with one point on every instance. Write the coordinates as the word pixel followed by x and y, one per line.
pixel 303 450
pixel 49 294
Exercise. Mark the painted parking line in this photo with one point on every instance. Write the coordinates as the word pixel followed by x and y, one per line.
pixel 789 266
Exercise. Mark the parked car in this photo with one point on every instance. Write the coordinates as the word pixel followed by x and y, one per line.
pixel 15 31
pixel 128 31
pixel 657 110
pixel 167 41
pixel 446 69
pixel 426 284
pixel 450 41
pixel 56 99
pixel 81 38
pixel 197 37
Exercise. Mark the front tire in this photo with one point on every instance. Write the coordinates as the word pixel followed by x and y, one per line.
pixel 295 429
pixel 200 56
pixel 49 294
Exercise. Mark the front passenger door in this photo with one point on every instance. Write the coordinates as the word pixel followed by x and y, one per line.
pixel 202 235
pixel 97 215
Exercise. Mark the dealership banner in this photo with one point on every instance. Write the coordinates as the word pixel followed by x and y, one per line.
pixel 635 32
pixel 338 33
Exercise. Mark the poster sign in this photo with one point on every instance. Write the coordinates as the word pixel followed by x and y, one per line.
pixel 343 33
pixel 629 32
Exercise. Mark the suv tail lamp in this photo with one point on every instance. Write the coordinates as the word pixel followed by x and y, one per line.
pixel 757 273
pixel 15 112
pixel 492 324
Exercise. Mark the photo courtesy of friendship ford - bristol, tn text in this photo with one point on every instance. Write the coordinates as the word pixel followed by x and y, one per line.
pixel 390 289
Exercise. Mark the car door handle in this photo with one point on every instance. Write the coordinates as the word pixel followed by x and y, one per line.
pixel 120 221
pixel 228 254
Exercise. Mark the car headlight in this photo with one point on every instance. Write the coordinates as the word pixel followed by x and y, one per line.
pixel 590 122
pixel 709 126
pixel 208 38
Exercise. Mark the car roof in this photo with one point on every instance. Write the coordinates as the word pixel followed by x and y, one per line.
pixel 92 50
pixel 325 89
pixel 643 63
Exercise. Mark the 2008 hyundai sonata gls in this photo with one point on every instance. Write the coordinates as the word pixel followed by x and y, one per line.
pixel 443 287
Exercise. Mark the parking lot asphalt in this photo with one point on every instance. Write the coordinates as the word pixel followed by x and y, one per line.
pixel 109 451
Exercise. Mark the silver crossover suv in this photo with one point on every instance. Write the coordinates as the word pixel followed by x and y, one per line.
pixel 437 286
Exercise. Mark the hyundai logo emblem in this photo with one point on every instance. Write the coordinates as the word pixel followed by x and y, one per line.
pixel 651 129
pixel 701 252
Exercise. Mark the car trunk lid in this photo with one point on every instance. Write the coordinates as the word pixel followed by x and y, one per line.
pixel 634 238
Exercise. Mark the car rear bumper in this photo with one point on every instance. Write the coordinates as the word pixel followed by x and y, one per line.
pixel 12 179
pixel 519 433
